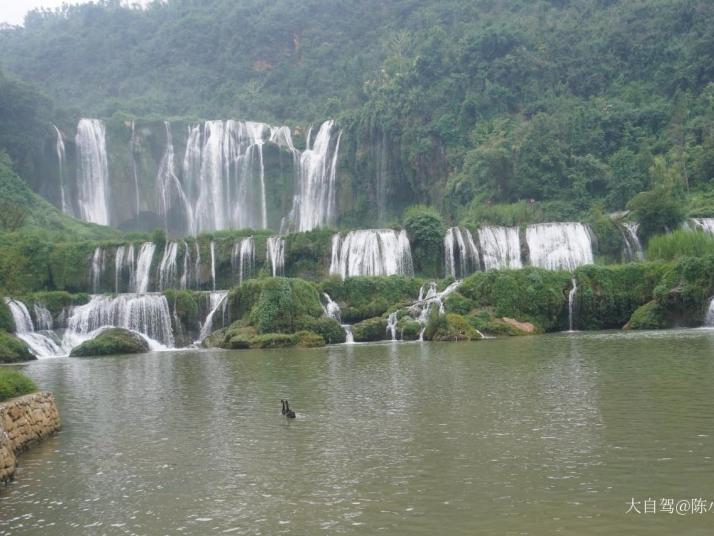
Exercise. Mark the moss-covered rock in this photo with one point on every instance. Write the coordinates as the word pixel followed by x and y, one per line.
pixel 372 329
pixel 328 328
pixel 112 342
pixel 685 290
pixel 408 329
pixel 308 339
pixel 649 316
pixel 13 350
pixel 266 340
pixel 449 327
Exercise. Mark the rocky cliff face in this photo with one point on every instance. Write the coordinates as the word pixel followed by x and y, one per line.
pixel 23 421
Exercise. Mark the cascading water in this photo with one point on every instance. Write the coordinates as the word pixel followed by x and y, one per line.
pixel 371 252
pixel 571 302
pixel 633 246
pixel 97 270
pixel 500 247
pixel 147 314
pixel 217 300
pixel 428 300
pixel 392 326
pixel 212 248
pixel 167 267
pixel 709 317
pixel 142 273
pixel 704 224
pixel 43 317
pixel 124 265
pixel 134 168
pixel 559 246
pixel 460 253
pixel 331 308
pixel 314 201
pixel 276 255
pixel 349 336
pixel 41 344
pixel 169 189
pixel 92 171
pixel 186 274
pixel 60 150
pixel 243 258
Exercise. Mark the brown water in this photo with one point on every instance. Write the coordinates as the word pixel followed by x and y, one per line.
pixel 539 435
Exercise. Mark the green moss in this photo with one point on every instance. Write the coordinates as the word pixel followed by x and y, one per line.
pixel 308 339
pixel 13 383
pixel 360 298
pixel 185 304
pixel 372 329
pixel 307 255
pixel 266 340
pixel 425 228
pixel 649 316
pixel 408 329
pixel 457 303
pixel 449 327
pixel 112 342
pixel 6 321
pixel 328 328
pixel 530 294
pixel 686 289
pixel 13 350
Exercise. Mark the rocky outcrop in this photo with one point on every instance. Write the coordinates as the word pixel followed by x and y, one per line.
pixel 23 421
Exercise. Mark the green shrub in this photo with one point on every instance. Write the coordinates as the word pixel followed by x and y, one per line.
pixel 425 228
pixel 649 316
pixel 685 290
pixel 529 294
pixel 13 350
pixel 659 210
pixel 372 329
pixel 309 339
pixel 449 327
pixel 307 255
pixel 13 383
pixel 6 321
pixel 457 303
pixel 408 329
pixel 680 243
pixel 328 328
pixel 112 341
pixel 608 245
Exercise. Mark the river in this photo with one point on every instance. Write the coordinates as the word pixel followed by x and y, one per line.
pixel 533 435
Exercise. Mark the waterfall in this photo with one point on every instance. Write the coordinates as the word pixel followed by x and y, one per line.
pixel 124 262
pixel 134 169
pixel 98 259
pixel 169 188
pixel 349 336
pixel 428 300
pixel 243 258
pixel 500 247
pixel 92 171
pixel 633 246
pixel 186 274
pixel 213 264
pixel 392 325
pixel 41 344
pixel 464 260
pixel 709 317
pixel 559 246
pixel 142 273
pixel 147 314
pixel 331 308
pixel 197 266
pixel 60 150
pixel 276 254
pixel 571 302
pixel 216 300
pixel 314 201
pixel 704 224
pixel 371 252
pixel 167 267
pixel 43 317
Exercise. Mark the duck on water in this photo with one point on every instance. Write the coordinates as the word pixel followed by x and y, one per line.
pixel 287 412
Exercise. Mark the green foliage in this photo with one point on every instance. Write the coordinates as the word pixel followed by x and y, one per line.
pixel 266 340
pixel 277 305
pixel 112 341
pixel 372 329
pixel 158 237
pixel 449 327
pixel 308 339
pixel 185 304
pixel 6 321
pixel 328 328
pixel 659 210
pixel 531 294
pixel 306 254
pixel 685 290
pixel 360 298
pixel 425 228
pixel 649 316
pixel 13 350
pixel 408 329
pixel 456 303
pixel 607 296
pixel 680 243
pixel 609 236
pixel 13 383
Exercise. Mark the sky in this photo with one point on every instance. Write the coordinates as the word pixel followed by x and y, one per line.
pixel 13 11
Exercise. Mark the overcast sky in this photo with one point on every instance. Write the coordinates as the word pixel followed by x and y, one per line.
pixel 13 11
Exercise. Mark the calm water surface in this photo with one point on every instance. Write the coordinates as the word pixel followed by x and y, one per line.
pixel 539 435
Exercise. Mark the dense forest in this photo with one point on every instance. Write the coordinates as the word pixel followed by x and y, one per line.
pixel 498 111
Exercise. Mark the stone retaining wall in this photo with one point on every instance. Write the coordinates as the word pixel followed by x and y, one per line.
pixel 23 421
